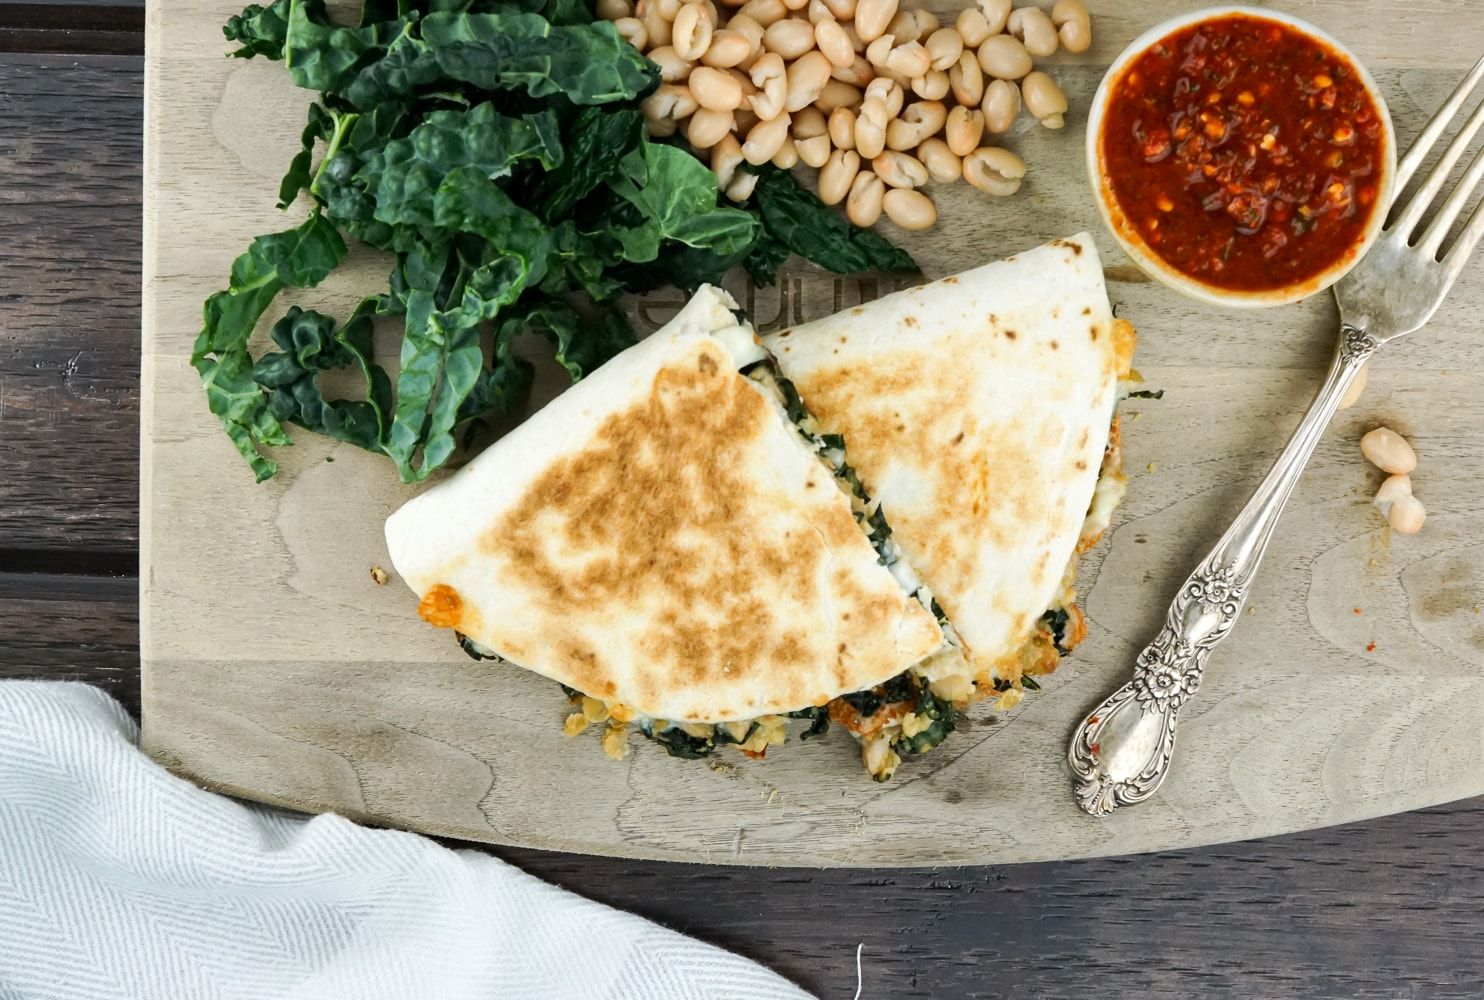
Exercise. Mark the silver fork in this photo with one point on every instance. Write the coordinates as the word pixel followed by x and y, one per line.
pixel 1121 752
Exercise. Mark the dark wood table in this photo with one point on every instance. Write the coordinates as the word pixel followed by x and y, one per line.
pixel 1390 908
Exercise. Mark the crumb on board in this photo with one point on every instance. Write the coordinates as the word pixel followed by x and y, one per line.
pixel 1356 610
pixel 379 576
pixel 1151 467
pixel 1370 647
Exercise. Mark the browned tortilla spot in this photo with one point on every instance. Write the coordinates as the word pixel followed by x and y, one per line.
pixel 441 607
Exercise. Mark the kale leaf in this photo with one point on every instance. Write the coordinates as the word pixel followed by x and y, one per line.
pixel 496 149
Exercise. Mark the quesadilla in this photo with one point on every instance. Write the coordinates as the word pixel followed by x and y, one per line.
pixel 665 544
pixel 978 413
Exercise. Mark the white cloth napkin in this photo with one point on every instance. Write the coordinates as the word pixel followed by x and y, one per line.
pixel 118 879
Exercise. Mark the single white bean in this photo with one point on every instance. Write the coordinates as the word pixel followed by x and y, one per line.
pixel 1393 488
pixel 842 128
pixel 613 10
pixel 1001 104
pixel 715 89
pixel 814 151
pixel 909 60
pixel 764 140
pixel 706 128
pixel 790 38
pixel 967 80
pixel 796 5
pixel 888 92
pixel 807 78
pixel 834 43
pixel 728 48
pixel 844 10
pixel 632 30
pixel 770 78
pixel 656 26
pixel 818 13
pixel 692 32
pixel 787 155
pixel 1044 99
pixel 943 165
pixel 857 74
pixel 878 50
pixel 863 204
pixel 972 27
pixel 931 86
pixel 870 127
pixel 996 14
pixel 944 46
pixel 837 95
pixel 746 26
pixel 872 17
pixel 963 130
pixel 765 12
pixel 670 100
pixel 904 27
pixel 1004 57
pixel 673 69
pixel 1073 24
pixel 900 170
pixel 666 8
pixel 1035 31
pixel 836 176
pixel 809 123
pixel 994 171
pixel 1388 451
pixel 1407 516
pixel 920 121
pixel 909 209
pixel 726 157
pixel 741 187
pixel 927 22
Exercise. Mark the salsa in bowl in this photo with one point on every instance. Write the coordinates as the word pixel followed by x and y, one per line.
pixel 1241 156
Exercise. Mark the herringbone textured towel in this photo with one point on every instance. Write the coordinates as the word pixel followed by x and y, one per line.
pixel 118 879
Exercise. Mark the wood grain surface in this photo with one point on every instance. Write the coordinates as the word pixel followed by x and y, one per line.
pixel 1388 908
pixel 285 674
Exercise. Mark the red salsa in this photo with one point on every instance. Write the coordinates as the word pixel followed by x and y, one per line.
pixel 1244 153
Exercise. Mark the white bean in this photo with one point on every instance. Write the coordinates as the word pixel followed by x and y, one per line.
pixel 1004 57
pixel 872 17
pixel 806 79
pixel 706 128
pixel 842 128
pixel 790 38
pixel 1407 516
pixel 889 92
pixel 963 130
pixel 904 27
pixel 692 32
pixel 972 27
pixel 632 30
pixel 857 74
pixel 764 140
pixel 1035 31
pixel 613 10
pixel 748 28
pixel 1044 99
pixel 715 89
pixel 1073 24
pixel 920 121
pixel 787 155
pixel 863 204
pixel 835 44
pixel 836 176
pixel 909 209
pixel 900 170
pixel 844 10
pixel 943 165
pixel 944 46
pixel 996 14
pixel 837 95
pixel 1001 105
pixel 728 48
pixel 1388 451
pixel 670 100
pixel 931 86
pixel 994 171
pixel 673 69
pixel 1392 490
pixel 656 26
pixel 909 60
pixel 741 187
pixel 726 157
pixel 814 151
pixel 765 12
pixel 967 80
pixel 770 78
pixel 870 127
pixel 878 50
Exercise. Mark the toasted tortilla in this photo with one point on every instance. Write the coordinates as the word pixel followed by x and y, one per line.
pixel 661 538
pixel 976 409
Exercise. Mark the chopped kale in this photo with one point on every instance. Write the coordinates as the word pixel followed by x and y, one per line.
pixel 469 646
pixel 1147 394
pixel 1056 622
pixel 819 724
pixel 944 720
pixel 679 743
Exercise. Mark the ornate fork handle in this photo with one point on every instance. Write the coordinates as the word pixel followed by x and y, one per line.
pixel 1121 752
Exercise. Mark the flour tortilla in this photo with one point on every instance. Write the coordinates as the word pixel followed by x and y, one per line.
pixel 661 537
pixel 976 409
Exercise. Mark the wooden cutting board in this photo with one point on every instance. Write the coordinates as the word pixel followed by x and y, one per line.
pixel 276 669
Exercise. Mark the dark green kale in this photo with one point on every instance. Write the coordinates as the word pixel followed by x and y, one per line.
pixel 679 743
pixel 1147 394
pixel 1056 623
pixel 819 721
pixel 496 150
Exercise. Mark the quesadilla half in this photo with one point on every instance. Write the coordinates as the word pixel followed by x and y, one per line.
pixel 978 413
pixel 665 544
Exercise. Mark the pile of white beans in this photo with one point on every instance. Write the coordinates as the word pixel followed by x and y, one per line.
pixel 879 99
pixel 1389 451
